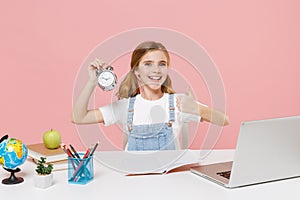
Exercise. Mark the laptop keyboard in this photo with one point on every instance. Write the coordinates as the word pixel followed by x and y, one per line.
pixel 225 174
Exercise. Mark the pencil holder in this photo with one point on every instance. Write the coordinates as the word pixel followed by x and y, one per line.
pixel 80 170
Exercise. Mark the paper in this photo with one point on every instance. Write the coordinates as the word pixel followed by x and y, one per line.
pixel 147 162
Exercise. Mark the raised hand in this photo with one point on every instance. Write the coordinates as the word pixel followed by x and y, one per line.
pixel 93 67
pixel 186 103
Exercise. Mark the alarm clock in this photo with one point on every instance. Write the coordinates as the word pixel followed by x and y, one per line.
pixel 107 79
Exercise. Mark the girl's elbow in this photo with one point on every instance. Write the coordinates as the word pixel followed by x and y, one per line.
pixel 226 121
pixel 74 119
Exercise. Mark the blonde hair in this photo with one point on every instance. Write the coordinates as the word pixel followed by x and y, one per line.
pixel 129 86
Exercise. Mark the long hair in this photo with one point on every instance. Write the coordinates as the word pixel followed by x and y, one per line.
pixel 129 87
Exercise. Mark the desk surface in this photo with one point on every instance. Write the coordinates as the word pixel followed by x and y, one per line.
pixel 109 184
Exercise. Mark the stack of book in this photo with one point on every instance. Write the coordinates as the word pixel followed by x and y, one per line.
pixel 57 157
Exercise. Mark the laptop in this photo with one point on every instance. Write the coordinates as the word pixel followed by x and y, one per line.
pixel 267 150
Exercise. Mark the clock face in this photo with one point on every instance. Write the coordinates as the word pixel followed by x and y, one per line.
pixel 106 78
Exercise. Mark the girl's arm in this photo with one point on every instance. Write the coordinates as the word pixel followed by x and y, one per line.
pixel 189 105
pixel 212 115
pixel 80 113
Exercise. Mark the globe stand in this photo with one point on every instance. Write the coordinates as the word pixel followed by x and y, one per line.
pixel 12 179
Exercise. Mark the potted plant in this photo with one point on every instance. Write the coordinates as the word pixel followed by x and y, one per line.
pixel 44 177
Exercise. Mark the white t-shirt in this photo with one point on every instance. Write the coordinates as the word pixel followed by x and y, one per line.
pixel 146 112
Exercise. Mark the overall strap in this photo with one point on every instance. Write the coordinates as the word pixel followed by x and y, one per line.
pixel 130 112
pixel 171 110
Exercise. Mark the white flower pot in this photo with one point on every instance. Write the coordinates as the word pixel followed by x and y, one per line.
pixel 43 181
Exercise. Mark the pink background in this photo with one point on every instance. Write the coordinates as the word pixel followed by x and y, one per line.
pixel 255 45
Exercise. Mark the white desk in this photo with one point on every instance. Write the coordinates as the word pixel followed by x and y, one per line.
pixel 109 184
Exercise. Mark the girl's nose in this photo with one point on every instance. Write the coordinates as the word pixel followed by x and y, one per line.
pixel 156 68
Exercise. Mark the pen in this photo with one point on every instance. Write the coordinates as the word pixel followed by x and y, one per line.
pixel 74 151
pixel 67 151
pixel 87 153
pixel 94 148
pixel 80 164
pixel 92 151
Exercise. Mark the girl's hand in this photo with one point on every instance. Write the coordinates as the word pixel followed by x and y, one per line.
pixel 186 103
pixel 94 66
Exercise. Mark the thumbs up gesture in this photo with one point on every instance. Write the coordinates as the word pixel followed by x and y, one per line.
pixel 186 103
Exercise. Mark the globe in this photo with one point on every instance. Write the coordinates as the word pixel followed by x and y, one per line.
pixel 13 153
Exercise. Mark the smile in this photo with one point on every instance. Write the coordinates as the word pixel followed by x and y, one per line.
pixel 155 78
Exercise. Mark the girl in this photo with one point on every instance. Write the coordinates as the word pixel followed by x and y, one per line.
pixel 150 112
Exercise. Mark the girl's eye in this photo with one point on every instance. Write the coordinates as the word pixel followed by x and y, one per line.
pixel 162 64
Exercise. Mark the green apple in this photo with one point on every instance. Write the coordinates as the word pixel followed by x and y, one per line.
pixel 52 139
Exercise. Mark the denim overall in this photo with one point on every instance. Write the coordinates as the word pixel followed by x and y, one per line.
pixel 157 136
